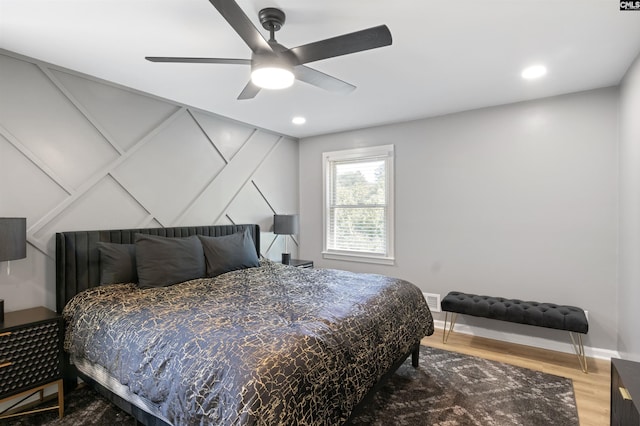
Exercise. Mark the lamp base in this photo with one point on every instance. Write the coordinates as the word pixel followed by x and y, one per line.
pixel 286 258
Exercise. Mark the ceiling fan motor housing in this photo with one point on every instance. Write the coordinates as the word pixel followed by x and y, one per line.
pixel 270 59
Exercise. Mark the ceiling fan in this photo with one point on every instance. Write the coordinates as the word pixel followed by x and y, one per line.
pixel 274 66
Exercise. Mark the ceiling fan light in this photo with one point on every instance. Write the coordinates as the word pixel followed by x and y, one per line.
pixel 272 77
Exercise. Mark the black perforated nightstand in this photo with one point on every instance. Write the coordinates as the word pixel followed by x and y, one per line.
pixel 30 357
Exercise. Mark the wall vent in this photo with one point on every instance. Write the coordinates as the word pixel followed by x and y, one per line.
pixel 433 300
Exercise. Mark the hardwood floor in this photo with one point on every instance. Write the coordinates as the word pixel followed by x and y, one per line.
pixel 592 390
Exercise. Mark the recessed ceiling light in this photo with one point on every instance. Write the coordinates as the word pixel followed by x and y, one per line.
pixel 298 120
pixel 535 71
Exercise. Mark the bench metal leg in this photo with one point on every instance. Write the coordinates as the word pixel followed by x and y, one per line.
pixel 445 333
pixel 578 347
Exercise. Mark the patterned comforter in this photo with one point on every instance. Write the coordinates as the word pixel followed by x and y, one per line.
pixel 267 345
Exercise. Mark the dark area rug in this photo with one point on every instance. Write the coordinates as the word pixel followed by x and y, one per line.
pixel 448 389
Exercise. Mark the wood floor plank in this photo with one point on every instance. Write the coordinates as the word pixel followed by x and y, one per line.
pixel 592 390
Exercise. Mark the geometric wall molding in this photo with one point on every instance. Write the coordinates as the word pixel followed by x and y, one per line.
pixel 80 153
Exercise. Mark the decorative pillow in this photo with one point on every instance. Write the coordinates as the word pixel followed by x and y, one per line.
pixel 117 263
pixel 165 261
pixel 229 253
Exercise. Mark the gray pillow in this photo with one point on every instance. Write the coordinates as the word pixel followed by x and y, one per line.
pixel 229 253
pixel 117 263
pixel 165 261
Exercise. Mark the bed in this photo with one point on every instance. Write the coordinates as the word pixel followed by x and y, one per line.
pixel 259 344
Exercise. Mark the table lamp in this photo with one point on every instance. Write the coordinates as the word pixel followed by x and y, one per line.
pixel 285 224
pixel 13 244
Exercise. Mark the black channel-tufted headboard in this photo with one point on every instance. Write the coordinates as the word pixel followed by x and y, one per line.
pixel 78 259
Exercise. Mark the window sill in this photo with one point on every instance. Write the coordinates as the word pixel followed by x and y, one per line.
pixel 359 258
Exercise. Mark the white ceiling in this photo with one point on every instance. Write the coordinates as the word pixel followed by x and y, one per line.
pixel 447 56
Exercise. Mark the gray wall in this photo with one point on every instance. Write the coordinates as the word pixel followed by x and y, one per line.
pixel 517 201
pixel 77 153
pixel 629 295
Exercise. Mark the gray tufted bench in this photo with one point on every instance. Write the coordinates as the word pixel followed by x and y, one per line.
pixel 550 315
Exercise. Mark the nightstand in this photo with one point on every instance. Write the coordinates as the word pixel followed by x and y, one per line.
pixel 299 263
pixel 30 357
pixel 625 392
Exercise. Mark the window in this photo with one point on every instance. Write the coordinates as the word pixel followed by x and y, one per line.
pixel 358 200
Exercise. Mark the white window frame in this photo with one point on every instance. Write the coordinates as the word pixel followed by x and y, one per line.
pixel 385 152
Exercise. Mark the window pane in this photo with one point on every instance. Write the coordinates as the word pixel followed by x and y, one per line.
pixel 358 229
pixel 358 183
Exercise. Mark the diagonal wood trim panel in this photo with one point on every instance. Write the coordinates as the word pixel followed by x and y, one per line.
pixel 167 164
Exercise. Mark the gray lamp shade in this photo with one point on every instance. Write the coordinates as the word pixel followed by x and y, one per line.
pixel 13 238
pixel 285 224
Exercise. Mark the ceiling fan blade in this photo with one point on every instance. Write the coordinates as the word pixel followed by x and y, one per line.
pixel 249 92
pixel 239 21
pixel 198 60
pixel 358 41
pixel 322 80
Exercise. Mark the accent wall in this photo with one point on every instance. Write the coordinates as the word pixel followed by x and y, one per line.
pixel 77 153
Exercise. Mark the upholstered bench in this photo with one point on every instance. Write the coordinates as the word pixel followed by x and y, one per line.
pixel 550 315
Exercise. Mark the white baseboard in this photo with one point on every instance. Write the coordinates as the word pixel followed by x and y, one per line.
pixel 537 342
